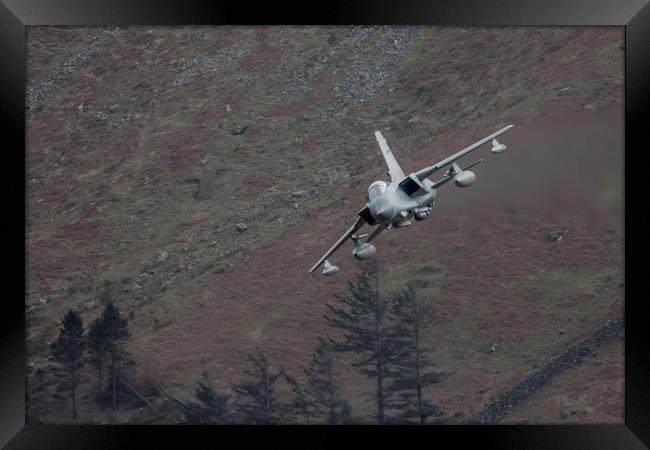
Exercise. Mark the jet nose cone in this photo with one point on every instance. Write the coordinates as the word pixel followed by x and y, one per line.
pixel 383 210
pixel 385 214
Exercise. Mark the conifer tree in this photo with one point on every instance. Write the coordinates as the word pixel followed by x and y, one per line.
pixel 211 407
pixel 324 403
pixel 68 351
pixel 116 331
pixel 300 406
pixel 106 337
pixel 361 321
pixel 410 371
pixel 256 397
pixel 98 351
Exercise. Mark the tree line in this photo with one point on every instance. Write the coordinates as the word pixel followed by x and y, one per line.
pixel 102 347
pixel 381 337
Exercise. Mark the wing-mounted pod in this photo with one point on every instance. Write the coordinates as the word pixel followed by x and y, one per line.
pixel 362 250
pixel 462 178
pixel 451 175
pixel 497 147
pixel 329 269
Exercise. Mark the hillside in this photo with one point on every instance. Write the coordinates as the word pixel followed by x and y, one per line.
pixel 146 146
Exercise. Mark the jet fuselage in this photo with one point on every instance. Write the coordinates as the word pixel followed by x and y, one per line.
pixel 390 205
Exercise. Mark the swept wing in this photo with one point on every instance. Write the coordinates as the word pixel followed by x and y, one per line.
pixel 338 243
pixel 422 174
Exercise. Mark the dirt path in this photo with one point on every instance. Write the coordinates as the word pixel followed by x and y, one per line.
pixel 503 405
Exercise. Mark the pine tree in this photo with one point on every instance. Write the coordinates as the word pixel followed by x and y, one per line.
pixel 68 350
pixel 324 402
pixel 410 371
pixel 361 320
pixel 257 400
pixel 105 338
pixel 211 407
pixel 98 351
pixel 300 407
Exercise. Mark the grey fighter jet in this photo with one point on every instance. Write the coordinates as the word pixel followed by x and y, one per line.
pixel 391 204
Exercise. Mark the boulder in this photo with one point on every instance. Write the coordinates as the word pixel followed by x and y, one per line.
pixel 239 130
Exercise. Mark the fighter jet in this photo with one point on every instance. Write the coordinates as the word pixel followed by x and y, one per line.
pixel 391 204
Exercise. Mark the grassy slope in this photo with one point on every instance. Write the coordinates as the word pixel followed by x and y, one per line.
pixel 104 199
pixel 591 393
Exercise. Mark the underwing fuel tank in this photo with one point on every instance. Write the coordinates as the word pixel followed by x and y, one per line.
pixel 329 269
pixel 363 251
pixel 464 178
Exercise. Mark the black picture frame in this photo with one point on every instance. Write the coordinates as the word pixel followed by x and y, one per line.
pixel 634 15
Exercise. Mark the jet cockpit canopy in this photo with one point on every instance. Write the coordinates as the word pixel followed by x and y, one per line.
pixel 376 189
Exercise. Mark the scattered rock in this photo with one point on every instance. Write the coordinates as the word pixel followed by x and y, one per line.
pixel 239 130
pixel 190 68
pixel 140 279
pixel 36 95
pixel 162 257
pixel 556 234
pixel 363 79
pixel 88 305
pixel 300 194
pixel 241 227
pixel 99 117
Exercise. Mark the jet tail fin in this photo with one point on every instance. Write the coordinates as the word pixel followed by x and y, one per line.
pixel 394 170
